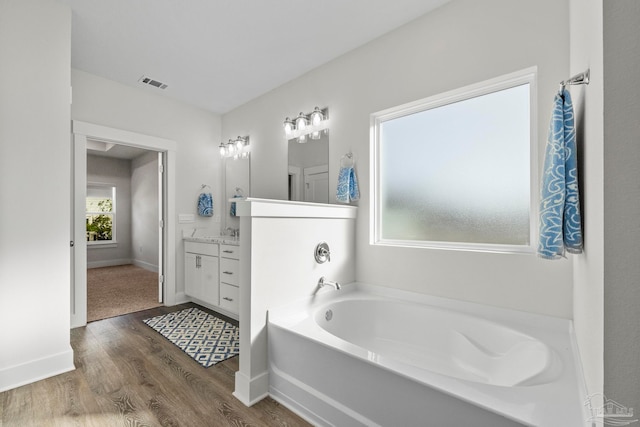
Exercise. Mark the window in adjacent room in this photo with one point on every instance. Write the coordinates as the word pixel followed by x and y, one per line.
pixel 457 170
pixel 100 213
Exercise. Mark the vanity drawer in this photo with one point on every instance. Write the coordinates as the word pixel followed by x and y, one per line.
pixel 201 248
pixel 229 297
pixel 230 251
pixel 229 271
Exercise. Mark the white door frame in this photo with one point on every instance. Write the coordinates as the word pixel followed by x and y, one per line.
pixel 81 132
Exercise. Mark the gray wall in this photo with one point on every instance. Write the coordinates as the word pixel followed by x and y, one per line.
pixel 587 52
pixel 144 211
pixel 196 132
pixel 35 52
pixel 117 172
pixel 462 43
pixel 622 202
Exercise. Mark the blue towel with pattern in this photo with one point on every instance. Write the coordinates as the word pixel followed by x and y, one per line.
pixel 205 204
pixel 232 210
pixel 560 221
pixel 347 185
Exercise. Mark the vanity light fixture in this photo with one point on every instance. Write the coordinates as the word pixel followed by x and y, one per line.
pixel 288 126
pixel 312 124
pixel 236 148
pixel 316 117
pixel 301 121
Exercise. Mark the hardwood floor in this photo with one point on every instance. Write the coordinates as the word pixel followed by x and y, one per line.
pixel 129 375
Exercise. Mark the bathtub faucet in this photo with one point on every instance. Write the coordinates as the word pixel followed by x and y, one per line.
pixel 323 282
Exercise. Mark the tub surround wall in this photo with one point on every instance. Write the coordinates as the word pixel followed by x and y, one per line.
pixel 277 266
pixel 461 43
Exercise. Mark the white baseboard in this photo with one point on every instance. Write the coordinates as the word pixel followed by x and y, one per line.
pixel 36 370
pixel 109 263
pixel 251 390
pixel 146 265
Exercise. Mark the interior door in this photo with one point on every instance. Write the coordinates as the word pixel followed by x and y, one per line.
pixel 316 184
pixel 161 227
pixel 79 232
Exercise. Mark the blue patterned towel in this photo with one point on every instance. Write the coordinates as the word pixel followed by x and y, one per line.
pixel 560 222
pixel 232 210
pixel 347 185
pixel 205 204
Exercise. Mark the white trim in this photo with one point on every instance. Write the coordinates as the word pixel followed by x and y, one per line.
pixel 312 170
pixel 81 132
pixel 291 209
pixel 526 76
pixel 146 265
pixel 296 183
pixel 251 390
pixel 109 263
pixel 124 137
pixel 101 244
pixel 36 370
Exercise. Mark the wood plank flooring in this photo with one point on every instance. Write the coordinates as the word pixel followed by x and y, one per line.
pixel 129 375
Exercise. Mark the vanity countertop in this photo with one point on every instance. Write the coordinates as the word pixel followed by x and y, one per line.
pixel 225 240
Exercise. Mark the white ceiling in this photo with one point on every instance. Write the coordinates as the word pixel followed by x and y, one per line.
pixel 219 54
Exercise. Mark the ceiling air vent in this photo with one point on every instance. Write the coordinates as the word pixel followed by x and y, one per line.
pixel 149 81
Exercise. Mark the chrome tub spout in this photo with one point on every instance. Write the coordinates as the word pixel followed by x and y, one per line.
pixel 324 282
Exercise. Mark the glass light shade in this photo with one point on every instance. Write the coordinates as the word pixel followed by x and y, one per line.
pixel 301 122
pixel 288 126
pixel 315 135
pixel 231 148
pixel 223 150
pixel 239 144
pixel 316 117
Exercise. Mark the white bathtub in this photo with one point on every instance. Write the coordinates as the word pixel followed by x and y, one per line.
pixel 371 356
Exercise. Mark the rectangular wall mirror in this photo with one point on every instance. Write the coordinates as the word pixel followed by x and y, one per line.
pixel 309 170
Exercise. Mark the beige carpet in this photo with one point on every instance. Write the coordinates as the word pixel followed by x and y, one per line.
pixel 113 291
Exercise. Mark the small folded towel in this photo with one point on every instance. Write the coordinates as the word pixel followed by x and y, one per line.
pixel 560 221
pixel 205 204
pixel 347 185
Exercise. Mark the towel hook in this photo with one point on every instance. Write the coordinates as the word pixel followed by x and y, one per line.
pixel 349 159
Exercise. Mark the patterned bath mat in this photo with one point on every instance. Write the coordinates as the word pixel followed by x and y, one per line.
pixel 204 337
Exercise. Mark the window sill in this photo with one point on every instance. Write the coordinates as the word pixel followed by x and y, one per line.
pixel 461 247
pixel 102 245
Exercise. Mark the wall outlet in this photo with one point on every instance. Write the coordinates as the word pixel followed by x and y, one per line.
pixel 186 218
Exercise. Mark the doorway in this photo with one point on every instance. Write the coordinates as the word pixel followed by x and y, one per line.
pixel 87 134
pixel 123 203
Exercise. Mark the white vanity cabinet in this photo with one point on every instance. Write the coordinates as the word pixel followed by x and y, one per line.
pixel 229 280
pixel 202 271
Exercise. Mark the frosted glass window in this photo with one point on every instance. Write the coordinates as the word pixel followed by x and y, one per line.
pixel 457 174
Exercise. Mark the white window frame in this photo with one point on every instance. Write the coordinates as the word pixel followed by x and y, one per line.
pixel 105 243
pixel 526 76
